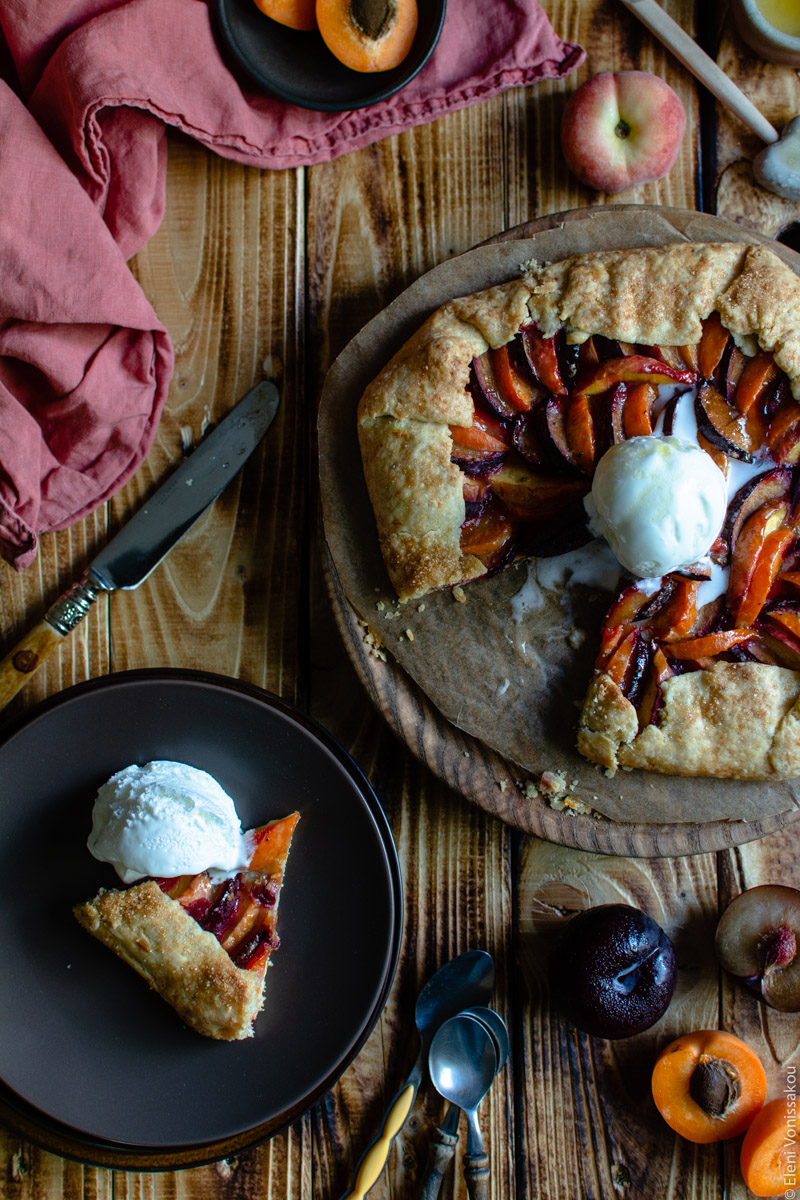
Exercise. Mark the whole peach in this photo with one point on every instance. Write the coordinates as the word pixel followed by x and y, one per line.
pixel 621 129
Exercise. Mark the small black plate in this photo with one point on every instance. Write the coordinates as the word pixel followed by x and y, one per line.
pixel 298 67
pixel 96 1063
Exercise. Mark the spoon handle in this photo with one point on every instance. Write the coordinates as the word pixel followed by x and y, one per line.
pixel 443 1147
pixel 374 1159
pixel 476 1173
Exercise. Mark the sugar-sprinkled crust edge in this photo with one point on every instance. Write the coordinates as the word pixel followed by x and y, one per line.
pixel 185 964
pixel 654 295
pixel 729 721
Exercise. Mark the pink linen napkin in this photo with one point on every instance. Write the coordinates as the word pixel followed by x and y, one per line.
pixel 84 362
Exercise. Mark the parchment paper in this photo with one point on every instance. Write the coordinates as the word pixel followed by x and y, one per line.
pixel 516 685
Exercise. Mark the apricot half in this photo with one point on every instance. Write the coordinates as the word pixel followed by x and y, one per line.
pixel 368 35
pixel 708 1085
pixel 297 14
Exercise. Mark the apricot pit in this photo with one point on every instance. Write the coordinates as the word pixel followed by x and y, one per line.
pixel 368 35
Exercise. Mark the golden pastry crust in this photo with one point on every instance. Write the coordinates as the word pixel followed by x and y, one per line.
pixel 734 720
pixel 731 721
pixel 656 295
pixel 185 964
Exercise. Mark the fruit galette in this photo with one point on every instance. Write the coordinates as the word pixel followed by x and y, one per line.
pixel 482 441
pixel 203 942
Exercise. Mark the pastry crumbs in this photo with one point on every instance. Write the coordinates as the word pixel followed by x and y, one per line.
pixel 459 595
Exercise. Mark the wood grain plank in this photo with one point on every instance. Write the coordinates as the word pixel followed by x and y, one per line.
pixel 590 1126
pixel 376 220
pixel 775 90
pixel 226 279
pixel 539 181
pixel 32 1174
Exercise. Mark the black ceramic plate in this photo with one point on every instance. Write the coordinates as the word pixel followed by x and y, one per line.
pixel 298 67
pixel 93 1062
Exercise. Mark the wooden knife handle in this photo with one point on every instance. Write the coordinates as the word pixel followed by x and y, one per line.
pixel 26 657
pixel 29 654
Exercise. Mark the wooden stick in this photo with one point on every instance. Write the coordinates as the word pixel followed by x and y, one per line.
pixel 701 66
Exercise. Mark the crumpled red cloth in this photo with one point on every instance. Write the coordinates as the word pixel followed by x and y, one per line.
pixel 84 361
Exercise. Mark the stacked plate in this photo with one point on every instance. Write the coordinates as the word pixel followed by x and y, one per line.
pixel 92 1064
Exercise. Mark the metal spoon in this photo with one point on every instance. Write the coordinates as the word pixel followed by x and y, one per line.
pixel 445 1137
pixel 463 1063
pixel 464 981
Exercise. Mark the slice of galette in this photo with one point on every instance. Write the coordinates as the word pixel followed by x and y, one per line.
pixel 203 942
pixel 481 440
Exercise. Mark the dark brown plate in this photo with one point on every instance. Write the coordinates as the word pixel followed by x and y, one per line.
pixel 296 65
pixel 94 1064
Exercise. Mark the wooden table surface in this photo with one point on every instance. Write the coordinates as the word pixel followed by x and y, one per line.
pixel 259 273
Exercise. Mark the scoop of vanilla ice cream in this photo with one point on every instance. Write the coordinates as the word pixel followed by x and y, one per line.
pixel 659 502
pixel 165 819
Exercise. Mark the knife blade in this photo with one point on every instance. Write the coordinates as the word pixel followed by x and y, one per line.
pixel 143 541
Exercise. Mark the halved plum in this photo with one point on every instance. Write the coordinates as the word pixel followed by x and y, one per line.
pixel 542 354
pixel 757 376
pixel 518 389
pixel 488 536
pixel 738 434
pixel 714 342
pixel 756 941
pixel 567 530
pixel 632 368
pixel 485 388
pixel 773 485
pixel 531 495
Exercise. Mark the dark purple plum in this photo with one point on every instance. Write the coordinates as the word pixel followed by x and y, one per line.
pixel 613 971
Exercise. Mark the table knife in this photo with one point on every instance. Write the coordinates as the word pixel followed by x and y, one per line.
pixel 144 540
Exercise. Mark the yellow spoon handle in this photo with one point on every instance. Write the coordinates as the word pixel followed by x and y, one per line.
pixel 374 1160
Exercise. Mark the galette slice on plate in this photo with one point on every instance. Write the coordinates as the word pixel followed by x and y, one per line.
pixel 203 942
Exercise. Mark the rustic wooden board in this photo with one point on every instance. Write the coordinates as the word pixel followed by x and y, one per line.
pixel 461 760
